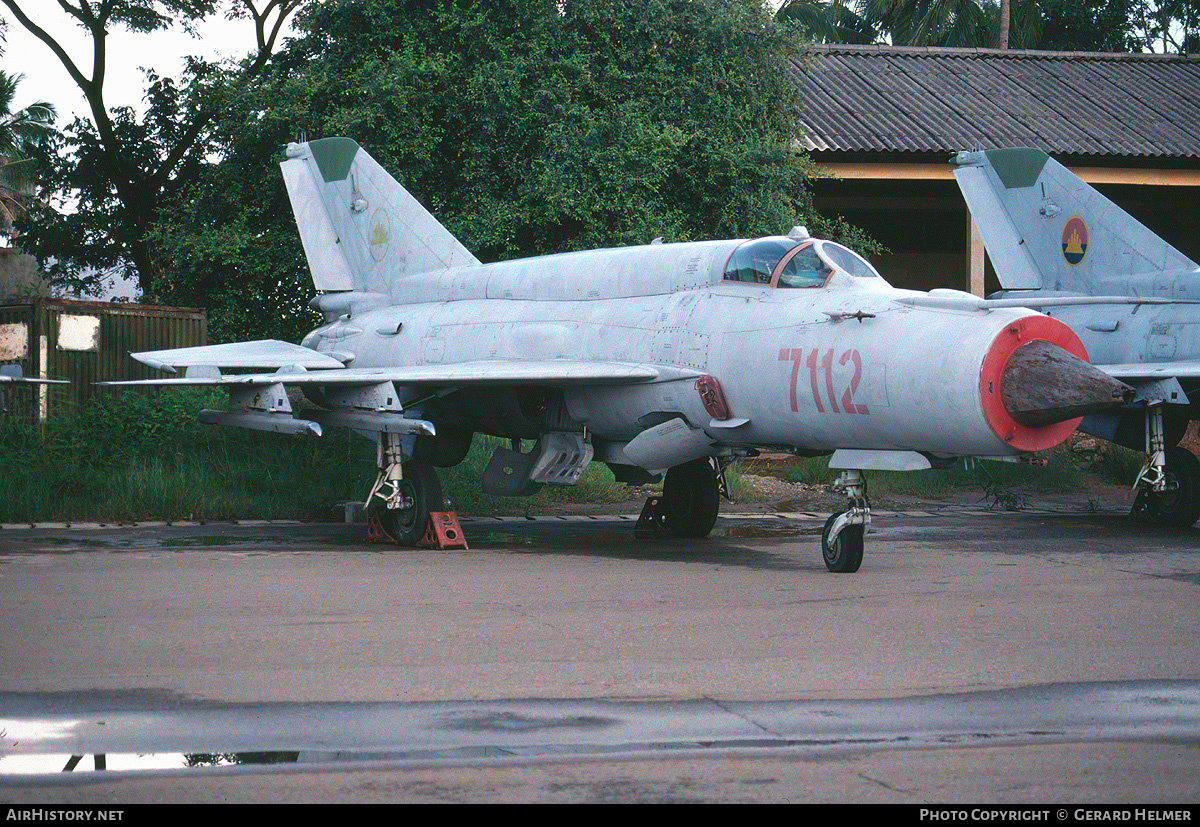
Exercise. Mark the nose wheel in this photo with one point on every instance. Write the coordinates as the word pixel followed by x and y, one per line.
pixel 842 537
pixel 843 551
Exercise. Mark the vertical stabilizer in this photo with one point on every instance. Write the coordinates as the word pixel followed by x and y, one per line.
pixel 1044 228
pixel 361 230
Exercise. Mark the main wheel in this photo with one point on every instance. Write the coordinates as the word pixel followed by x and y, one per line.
pixel 1179 504
pixel 691 498
pixel 422 494
pixel 846 552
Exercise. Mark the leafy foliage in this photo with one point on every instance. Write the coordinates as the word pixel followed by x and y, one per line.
pixel 1168 25
pixel 120 169
pixel 103 236
pixel 828 21
pixel 1088 26
pixel 900 22
pixel 1057 25
pixel 931 22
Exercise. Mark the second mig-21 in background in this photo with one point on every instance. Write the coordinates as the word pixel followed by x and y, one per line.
pixel 1061 247
pixel 663 359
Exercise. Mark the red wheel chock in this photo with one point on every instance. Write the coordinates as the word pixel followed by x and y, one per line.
pixel 443 531
pixel 376 533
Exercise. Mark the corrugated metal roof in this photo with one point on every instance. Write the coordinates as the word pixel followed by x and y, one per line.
pixel 912 99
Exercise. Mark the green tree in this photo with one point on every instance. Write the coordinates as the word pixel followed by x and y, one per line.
pixel 1054 25
pixel 1088 26
pixel 526 127
pixel 970 23
pixel 117 168
pixel 20 133
pixel 1058 25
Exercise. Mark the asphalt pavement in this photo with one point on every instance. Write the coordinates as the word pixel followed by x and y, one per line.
pixel 983 657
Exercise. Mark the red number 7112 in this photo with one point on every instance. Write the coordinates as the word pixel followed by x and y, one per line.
pixel 797 355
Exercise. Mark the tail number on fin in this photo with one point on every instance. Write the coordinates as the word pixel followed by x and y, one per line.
pixel 825 383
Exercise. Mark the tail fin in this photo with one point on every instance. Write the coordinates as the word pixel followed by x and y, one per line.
pixel 1044 228
pixel 361 230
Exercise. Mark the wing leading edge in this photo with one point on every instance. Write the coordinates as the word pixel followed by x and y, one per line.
pixel 298 365
pixel 554 372
pixel 1146 371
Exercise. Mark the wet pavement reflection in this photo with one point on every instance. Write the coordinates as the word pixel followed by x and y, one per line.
pixel 125 733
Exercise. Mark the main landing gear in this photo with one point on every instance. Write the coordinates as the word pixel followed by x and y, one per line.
pixel 1169 482
pixel 690 500
pixel 842 537
pixel 408 492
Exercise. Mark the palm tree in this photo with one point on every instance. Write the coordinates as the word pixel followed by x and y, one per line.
pixel 19 132
pixel 929 22
pixel 919 22
pixel 828 21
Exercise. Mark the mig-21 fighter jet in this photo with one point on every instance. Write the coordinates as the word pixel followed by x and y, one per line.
pixel 665 359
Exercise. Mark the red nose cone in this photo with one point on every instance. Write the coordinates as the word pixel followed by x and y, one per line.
pixel 1036 384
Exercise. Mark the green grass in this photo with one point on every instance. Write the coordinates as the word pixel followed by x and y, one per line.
pixel 133 458
pixel 1122 465
pixel 137 458
pixel 194 474
pixel 999 484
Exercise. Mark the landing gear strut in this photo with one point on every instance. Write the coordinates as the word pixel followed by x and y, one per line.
pixel 842 538
pixel 1153 474
pixel 408 492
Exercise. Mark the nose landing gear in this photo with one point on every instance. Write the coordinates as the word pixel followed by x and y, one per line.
pixel 842 537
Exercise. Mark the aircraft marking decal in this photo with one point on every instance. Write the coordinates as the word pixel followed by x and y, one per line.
pixel 1074 240
pixel 380 234
pixel 825 361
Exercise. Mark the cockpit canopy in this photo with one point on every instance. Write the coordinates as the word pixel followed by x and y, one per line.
pixel 781 261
